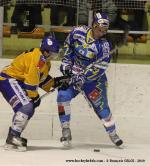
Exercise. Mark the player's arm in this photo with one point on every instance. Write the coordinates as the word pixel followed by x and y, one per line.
pixel 55 82
pixel 47 84
pixel 67 61
pixel 31 74
pixel 31 82
pixel 98 68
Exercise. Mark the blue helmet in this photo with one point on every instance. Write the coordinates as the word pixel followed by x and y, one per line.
pixel 49 44
pixel 101 19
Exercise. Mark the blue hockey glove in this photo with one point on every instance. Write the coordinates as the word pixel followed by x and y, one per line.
pixel 77 81
pixel 66 69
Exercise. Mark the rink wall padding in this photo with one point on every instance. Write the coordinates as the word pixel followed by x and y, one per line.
pixel 129 100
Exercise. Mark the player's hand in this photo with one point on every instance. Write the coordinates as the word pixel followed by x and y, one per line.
pixel 66 69
pixel 77 81
pixel 62 81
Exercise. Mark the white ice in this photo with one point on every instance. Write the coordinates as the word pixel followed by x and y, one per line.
pixel 129 101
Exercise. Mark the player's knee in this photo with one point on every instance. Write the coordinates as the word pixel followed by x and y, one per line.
pixel 27 109
pixel 64 108
pixel 109 123
pixel 64 111
pixel 19 122
pixel 103 113
pixel 63 96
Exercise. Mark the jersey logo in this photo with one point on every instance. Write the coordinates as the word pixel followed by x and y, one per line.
pixel 94 95
pixel 95 98
pixel 14 101
pixel 41 62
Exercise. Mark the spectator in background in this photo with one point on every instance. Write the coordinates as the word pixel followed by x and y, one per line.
pixel 83 13
pixel 26 16
pixel 5 18
pixel 136 14
pixel 4 2
pixel 64 7
pixel 57 16
pixel 116 21
pixel 139 16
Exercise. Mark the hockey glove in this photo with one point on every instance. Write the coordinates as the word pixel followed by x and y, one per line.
pixel 66 69
pixel 36 101
pixel 77 81
pixel 61 82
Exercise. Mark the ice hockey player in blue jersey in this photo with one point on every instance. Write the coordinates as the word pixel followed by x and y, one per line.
pixel 86 57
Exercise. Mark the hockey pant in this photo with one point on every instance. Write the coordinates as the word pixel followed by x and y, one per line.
pixel 96 93
pixel 15 95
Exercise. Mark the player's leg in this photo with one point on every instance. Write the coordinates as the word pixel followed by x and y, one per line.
pixel 64 110
pixel 23 111
pixel 97 94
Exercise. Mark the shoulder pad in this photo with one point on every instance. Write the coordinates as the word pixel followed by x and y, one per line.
pixel 82 28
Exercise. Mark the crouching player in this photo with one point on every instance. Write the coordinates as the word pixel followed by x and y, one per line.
pixel 19 83
pixel 87 55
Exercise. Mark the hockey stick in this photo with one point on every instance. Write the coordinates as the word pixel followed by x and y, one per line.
pixel 52 90
pixel 82 92
pixel 84 95
pixel 102 58
pixel 44 95
pixel 47 93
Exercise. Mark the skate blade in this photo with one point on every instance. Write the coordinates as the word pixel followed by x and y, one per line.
pixel 122 146
pixel 10 147
pixel 67 144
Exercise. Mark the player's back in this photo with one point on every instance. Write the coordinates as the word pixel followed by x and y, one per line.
pixel 20 65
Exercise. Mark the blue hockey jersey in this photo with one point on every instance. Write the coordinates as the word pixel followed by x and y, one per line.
pixel 85 54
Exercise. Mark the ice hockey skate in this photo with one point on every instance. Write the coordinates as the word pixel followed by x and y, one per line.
pixel 66 137
pixel 15 143
pixel 115 139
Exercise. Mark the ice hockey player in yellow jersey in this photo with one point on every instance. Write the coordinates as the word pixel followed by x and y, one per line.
pixel 19 83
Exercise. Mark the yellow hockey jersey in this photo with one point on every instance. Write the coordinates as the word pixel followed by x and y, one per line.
pixel 32 69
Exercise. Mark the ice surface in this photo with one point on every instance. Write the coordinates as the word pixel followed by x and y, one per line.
pixel 51 153
pixel 129 96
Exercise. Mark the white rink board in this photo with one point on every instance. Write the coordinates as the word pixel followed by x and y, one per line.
pixel 129 96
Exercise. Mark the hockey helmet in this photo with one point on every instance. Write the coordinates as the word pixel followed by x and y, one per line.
pixel 101 20
pixel 49 44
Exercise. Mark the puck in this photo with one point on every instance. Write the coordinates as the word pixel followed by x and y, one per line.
pixel 96 150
